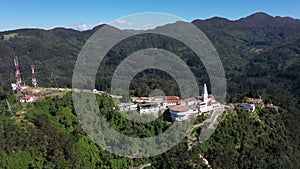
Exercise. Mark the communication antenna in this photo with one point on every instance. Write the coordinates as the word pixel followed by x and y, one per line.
pixel 34 82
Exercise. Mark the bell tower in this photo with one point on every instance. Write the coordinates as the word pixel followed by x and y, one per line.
pixel 204 93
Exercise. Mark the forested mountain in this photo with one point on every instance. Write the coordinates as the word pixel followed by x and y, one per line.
pixel 260 55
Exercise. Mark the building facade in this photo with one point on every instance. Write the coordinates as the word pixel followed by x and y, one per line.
pixel 180 109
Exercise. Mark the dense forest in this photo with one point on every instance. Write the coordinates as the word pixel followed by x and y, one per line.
pixel 260 55
pixel 49 135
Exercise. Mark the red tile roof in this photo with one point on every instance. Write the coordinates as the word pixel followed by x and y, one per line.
pixel 171 101
pixel 159 97
pixel 271 106
pixel 182 108
pixel 190 99
pixel 179 108
pixel 29 96
pixel 172 98
pixel 254 100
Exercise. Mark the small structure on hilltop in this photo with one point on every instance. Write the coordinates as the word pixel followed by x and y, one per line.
pixel 254 100
pixel 29 98
pixel 272 107
pixel 245 106
pixel 252 103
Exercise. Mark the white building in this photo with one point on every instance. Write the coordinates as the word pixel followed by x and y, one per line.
pixel 29 98
pixel 189 101
pixel 126 106
pixel 141 99
pixel 163 101
pixel 148 108
pixel 167 103
pixel 157 99
pixel 207 102
pixel 181 112
pixel 246 106
pixel 180 109
pixel 191 106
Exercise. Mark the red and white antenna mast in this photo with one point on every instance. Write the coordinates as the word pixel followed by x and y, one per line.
pixel 34 82
pixel 18 74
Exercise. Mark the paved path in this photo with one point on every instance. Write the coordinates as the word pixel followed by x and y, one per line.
pixel 193 140
pixel 211 120
pixel 194 127
pixel 205 160
pixel 142 166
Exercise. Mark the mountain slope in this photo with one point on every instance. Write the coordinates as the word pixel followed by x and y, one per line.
pixel 262 50
pixel 260 55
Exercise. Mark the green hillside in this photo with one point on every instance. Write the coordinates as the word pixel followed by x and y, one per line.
pixel 260 55
pixel 47 134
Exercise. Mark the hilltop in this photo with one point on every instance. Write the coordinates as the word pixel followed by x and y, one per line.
pixel 260 54
pixel 257 51
pixel 261 57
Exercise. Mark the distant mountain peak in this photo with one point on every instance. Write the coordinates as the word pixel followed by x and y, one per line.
pixel 260 16
pixel 264 19
pixel 214 21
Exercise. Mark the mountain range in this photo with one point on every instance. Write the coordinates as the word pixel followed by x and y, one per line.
pixel 261 57
pixel 259 53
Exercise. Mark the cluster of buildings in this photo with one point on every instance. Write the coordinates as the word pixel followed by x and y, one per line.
pixel 251 103
pixel 183 109
pixel 180 109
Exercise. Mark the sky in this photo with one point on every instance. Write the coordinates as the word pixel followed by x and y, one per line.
pixel 82 15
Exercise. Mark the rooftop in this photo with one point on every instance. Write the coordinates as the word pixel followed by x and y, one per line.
pixel 254 100
pixel 29 96
pixel 271 106
pixel 179 108
pixel 172 98
pixel 182 108
pixel 190 99
pixel 171 101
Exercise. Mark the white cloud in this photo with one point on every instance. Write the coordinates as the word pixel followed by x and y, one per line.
pixel 124 22
pixel 148 25
pixel 121 21
pixel 83 26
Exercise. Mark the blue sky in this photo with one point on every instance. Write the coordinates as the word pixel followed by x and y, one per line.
pixel 77 14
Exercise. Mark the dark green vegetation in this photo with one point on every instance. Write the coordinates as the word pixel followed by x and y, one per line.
pixel 257 141
pixel 50 136
pixel 260 55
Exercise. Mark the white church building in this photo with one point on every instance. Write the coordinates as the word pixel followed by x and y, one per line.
pixel 192 106
pixel 180 109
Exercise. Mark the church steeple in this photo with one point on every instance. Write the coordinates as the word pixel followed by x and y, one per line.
pixel 204 93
